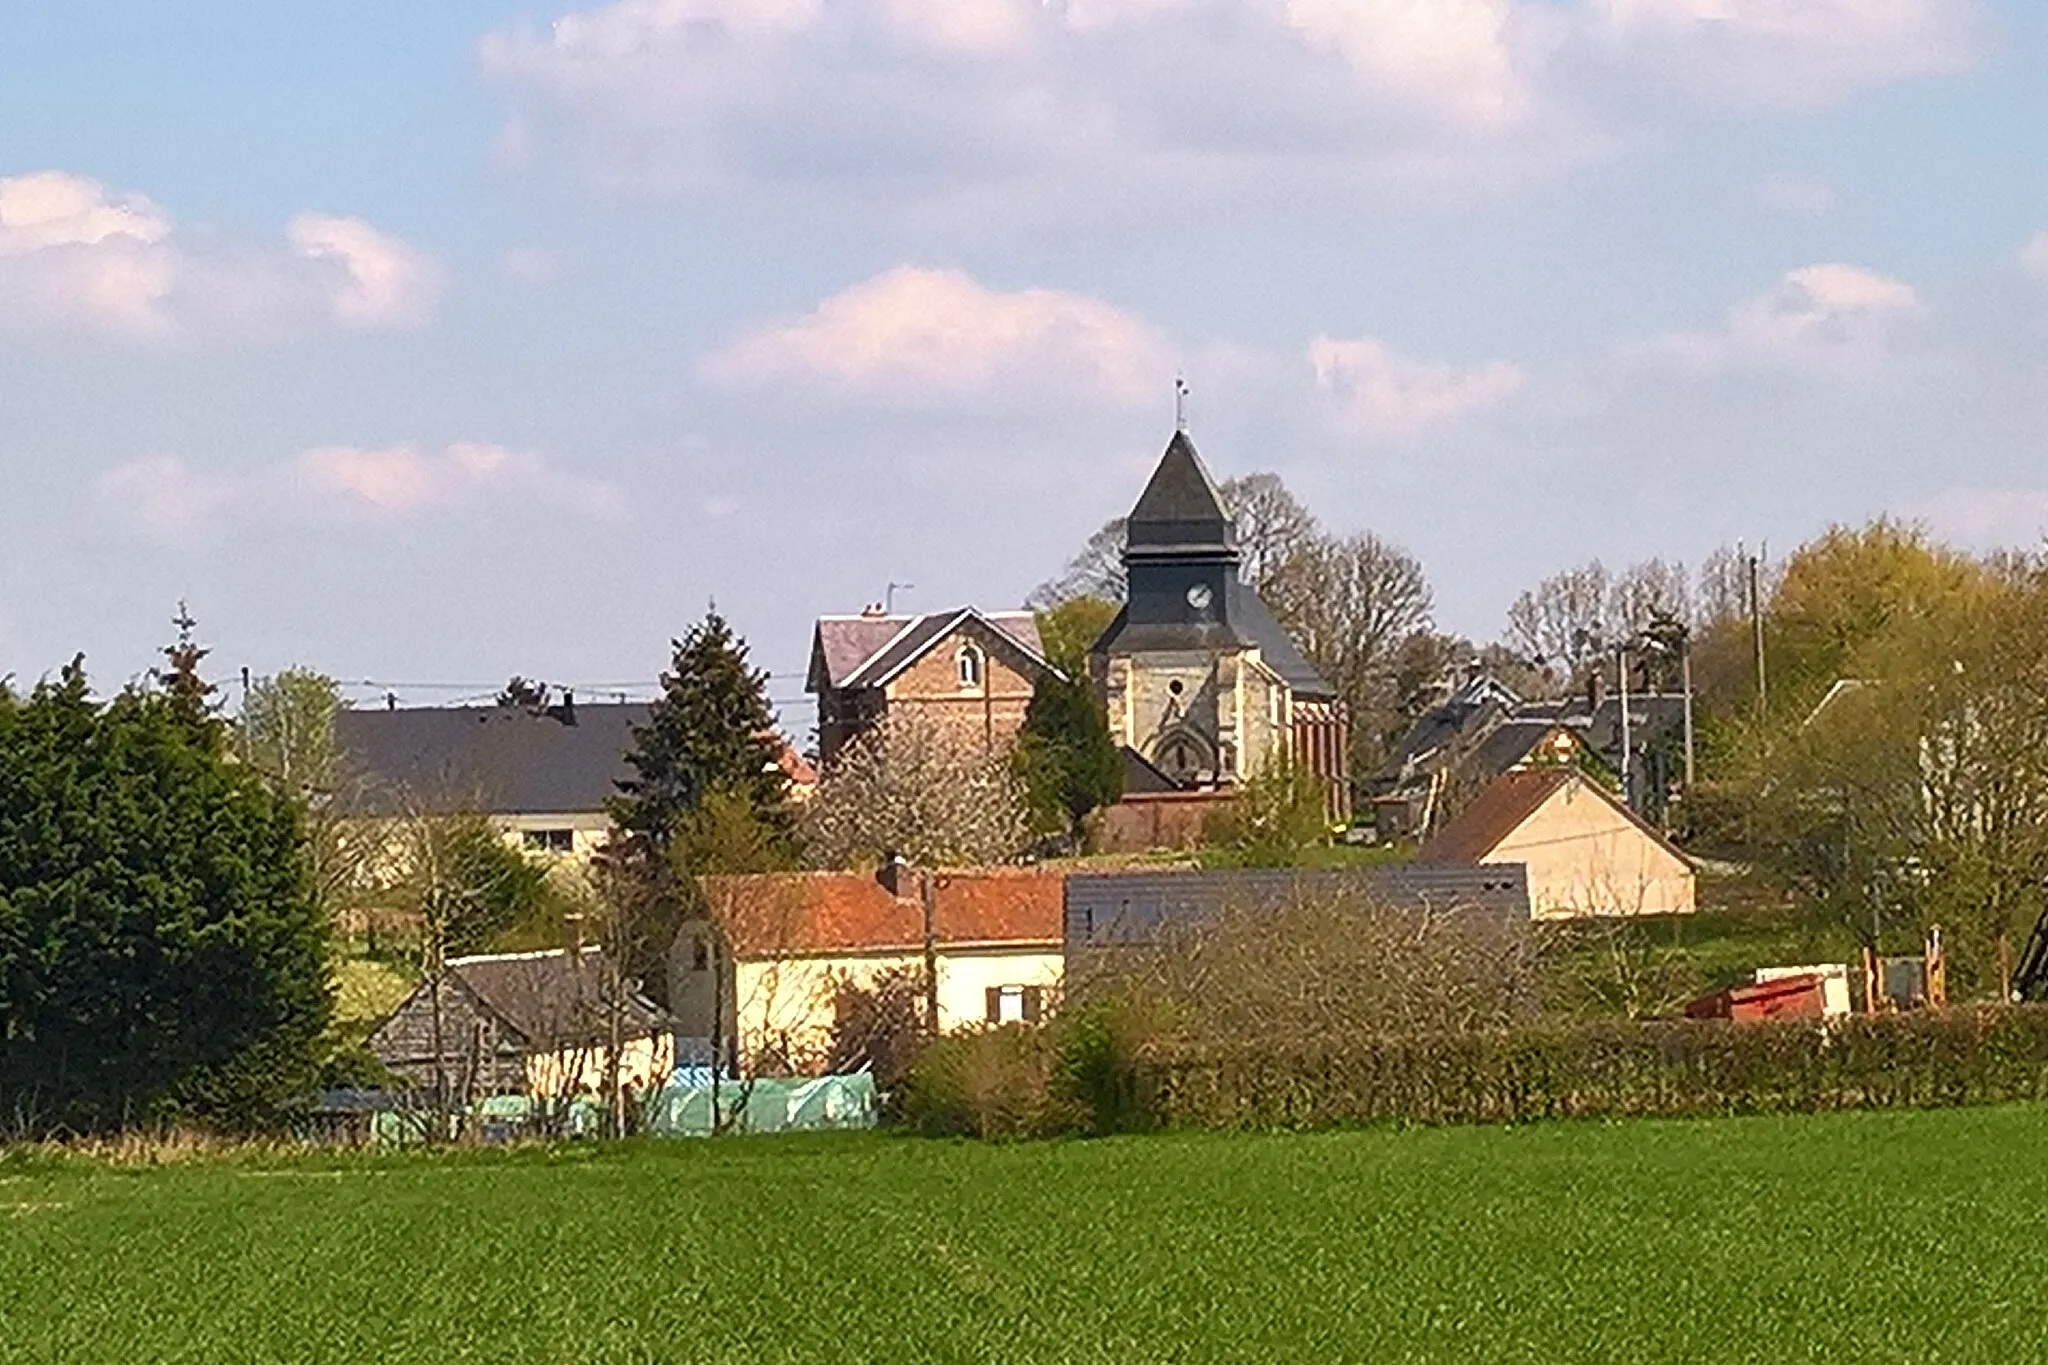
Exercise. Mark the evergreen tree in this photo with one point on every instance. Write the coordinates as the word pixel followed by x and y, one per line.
pixel 162 949
pixel 1065 756
pixel 710 731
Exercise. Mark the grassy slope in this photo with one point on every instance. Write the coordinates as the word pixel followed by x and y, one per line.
pixel 1919 1237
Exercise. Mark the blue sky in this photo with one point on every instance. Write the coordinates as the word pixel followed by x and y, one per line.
pixel 431 343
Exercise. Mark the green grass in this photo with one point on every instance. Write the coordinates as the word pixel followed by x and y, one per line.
pixel 1871 1237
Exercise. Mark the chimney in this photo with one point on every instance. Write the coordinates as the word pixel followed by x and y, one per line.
pixel 1596 689
pixel 572 934
pixel 568 707
pixel 874 611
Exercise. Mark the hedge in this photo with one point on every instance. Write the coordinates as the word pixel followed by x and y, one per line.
pixel 1605 1069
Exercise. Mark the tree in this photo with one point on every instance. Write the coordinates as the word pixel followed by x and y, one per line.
pixel 1069 629
pixel 1272 524
pixel 907 787
pixel 162 951
pixel 1272 819
pixel 710 730
pixel 1065 759
pixel 1350 602
pixel 190 694
pixel 523 692
pixel 285 733
pixel 1563 621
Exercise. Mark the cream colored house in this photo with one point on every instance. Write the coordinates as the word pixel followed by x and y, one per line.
pixel 1586 853
pixel 993 937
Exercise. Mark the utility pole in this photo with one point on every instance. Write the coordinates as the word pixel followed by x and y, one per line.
pixel 1628 792
pixel 1756 627
pixel 1685 685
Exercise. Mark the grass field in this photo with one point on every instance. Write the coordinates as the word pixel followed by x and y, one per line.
pixel 1872 1237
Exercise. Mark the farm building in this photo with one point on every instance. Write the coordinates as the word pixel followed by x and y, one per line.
pixel 1585 852
pixel 525 1023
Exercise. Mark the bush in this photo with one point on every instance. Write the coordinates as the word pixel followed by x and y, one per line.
pixel 990 1083
pixel 1605 1069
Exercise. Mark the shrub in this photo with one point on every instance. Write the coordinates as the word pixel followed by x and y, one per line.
pixel 989 1083
pixel 1604 1069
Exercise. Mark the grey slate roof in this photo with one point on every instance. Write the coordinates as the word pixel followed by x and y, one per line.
pixel 1246 622
pixel 866 651
pixel 555 998
pixel 1180 506
pixel 498 760
pixel 1125 908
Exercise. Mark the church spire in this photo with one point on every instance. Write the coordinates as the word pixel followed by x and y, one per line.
pixel 1181 511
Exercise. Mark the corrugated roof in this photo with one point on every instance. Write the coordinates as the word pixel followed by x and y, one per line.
pixel 1108 909
pixel 499 760
pixel 793 914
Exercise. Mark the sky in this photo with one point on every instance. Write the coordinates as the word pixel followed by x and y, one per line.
pixel 428 344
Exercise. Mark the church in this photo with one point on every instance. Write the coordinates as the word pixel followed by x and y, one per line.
pixel 1204 689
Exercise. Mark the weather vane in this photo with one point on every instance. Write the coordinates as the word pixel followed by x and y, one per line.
pixel 1180 402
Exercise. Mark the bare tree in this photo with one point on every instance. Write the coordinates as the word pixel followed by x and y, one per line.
pixel 1322 965
pixel 1562 621
pixel 1272 524
pixel 1350 603
pixel 1097 571
pixel 911 787
pixel 1646 592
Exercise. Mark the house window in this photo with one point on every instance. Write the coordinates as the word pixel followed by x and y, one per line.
pixel 548 840
pixel 1015 1004
pixel 970 666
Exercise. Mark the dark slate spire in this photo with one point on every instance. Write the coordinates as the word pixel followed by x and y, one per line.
pixel 1180 511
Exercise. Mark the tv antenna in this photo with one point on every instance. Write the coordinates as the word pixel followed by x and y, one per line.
pixel 889 595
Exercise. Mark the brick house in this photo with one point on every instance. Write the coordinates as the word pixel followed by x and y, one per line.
pixel 971 672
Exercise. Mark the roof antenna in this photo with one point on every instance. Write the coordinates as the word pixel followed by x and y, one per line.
pixel 1180 403
pixel 889 596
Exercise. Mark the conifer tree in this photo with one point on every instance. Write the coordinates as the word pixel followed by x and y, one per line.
pixel 710 731
pixel 1065 756
pixel 162 949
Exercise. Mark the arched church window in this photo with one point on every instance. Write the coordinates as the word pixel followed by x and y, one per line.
pixel 970 666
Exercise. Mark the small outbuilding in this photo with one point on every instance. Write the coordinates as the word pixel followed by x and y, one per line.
pixel 1586 853
pixel 539 1024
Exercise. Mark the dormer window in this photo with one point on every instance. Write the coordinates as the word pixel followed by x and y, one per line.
pixel 970 664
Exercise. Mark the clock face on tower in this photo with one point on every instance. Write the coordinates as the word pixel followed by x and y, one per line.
pixel 1198 597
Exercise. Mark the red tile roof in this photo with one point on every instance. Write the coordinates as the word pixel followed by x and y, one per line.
pixel 797 913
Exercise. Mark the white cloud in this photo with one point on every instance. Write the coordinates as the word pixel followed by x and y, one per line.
pixel 1452 56
pixel 75 254
pixel 1827 318
pixel 70 250
pixel 921 101
pixel 2034 257
pixel 913 337
pixel 379 280
pixel 1375 393
pixel 1776 53
pixel 345 482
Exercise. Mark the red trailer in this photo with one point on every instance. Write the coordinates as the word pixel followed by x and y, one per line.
pixel 1791 997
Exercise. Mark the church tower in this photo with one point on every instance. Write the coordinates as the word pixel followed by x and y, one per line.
pixel 1203 688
